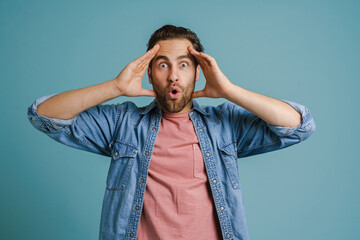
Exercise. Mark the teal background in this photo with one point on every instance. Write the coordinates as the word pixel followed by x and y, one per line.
pixel 303 51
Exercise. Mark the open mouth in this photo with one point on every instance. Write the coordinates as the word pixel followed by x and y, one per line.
pixel 174 92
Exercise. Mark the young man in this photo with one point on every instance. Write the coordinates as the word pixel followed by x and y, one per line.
pixel 173 171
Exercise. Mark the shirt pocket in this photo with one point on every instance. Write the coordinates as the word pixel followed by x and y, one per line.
pixel 229 157
pixel 123 158
pixel 198 161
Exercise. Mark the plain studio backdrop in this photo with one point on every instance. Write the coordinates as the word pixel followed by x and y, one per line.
pixel 302 51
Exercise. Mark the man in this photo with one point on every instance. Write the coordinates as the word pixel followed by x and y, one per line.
pixel 173 171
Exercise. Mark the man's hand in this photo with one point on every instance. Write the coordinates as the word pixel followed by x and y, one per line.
pixel 217 84
pixel 69 104
pixel 128 82
pixel 271 110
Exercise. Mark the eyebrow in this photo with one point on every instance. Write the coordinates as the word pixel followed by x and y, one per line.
pixel 167 59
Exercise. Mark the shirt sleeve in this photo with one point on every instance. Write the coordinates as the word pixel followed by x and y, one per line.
pixel 91 130
pixel 254 135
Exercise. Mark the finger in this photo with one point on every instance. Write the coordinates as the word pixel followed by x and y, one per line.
pixel 149 54
pixel 192 51
pixel 147 92
pixel 198 94
pixel 201 56
pixel 208 59
pixel 195 53
pixel 154 50
pixel 200 59
pixel 144 61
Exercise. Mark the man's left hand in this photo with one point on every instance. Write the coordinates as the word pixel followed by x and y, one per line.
pixel 217 84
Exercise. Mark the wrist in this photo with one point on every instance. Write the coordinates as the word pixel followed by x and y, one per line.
pixel 229 91
pixel 117 91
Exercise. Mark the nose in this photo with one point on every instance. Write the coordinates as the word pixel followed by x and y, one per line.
pixel 173 75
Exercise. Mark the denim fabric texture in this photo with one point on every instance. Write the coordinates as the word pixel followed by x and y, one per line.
pixel 127 133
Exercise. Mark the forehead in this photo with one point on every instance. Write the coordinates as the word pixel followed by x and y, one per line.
pixel 173 48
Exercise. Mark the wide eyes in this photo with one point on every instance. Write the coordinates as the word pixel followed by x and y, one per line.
pixel 162 65
pixel 182 64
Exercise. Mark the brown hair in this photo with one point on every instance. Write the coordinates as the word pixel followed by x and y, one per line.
pixel 171 32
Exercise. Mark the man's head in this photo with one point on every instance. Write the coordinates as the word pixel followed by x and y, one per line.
pixel 171 32
pixel 173 71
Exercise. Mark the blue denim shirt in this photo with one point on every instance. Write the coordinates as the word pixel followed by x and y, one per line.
pixel 127 133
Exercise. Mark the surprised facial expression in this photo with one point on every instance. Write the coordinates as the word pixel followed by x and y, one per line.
pixel 172 75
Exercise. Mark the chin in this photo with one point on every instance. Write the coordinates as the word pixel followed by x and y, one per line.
pixel 171 106
pixel 174 109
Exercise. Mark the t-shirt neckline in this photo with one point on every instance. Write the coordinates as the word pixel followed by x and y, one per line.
pixel 175 115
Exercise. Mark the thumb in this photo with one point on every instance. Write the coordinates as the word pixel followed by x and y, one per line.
pixel 149 93
pixel 198 94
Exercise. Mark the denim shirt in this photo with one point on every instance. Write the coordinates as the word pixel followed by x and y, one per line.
pixel 127 133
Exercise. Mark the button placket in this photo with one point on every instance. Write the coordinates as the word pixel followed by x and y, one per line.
pixel 149 145
pixel 218 198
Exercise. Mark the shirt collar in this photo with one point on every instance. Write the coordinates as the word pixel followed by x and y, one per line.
pixel 199 108
pixel 154 104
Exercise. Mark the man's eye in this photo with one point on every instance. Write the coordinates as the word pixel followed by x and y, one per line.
pixel 184 64
pixel 162 65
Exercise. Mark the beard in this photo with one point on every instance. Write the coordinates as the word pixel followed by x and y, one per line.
pixel 174 105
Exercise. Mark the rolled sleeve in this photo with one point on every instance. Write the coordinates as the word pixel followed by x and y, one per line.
pixel 254 136
pixel 303 131
pixel 92 130
pixel 46 124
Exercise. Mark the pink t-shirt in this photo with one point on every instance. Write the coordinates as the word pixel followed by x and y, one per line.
pixel 177 201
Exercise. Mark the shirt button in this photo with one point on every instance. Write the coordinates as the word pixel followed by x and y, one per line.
pixel 222 208
pixel 228 235
pixel 116 153
pixel 147 153
pixel 137 207
pixel 131 234
pixel 154 129
pixel 200 129
pixel 214 181
pixel 142 180
pixel 207 154
pixel 191 113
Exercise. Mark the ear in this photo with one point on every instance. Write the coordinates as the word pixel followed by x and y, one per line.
pixel 197 73
pixel 149 75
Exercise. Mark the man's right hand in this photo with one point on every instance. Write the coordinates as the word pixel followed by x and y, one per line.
pixel 128 82
pixel 69 104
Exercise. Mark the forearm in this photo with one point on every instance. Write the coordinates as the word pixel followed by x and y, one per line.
pixel 69 104
pixel 271 110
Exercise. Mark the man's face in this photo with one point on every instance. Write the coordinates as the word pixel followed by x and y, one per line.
pixel 173 75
